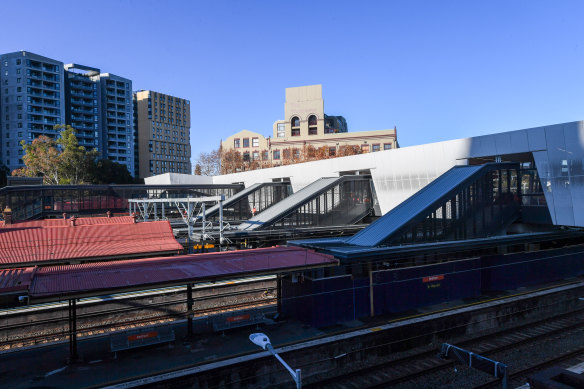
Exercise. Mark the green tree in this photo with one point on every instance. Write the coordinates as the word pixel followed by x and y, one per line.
pixel 110 172
pixel 60 161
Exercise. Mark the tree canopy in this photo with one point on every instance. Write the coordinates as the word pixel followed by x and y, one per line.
pixel 208 164
pixel 62 161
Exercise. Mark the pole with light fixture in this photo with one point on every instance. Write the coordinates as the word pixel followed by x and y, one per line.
pixel 263 341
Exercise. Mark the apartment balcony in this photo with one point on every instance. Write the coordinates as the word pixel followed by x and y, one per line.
pixel 50 103
pixel 82 110
pixel 50 77
pixel 50 68
pixel 36 75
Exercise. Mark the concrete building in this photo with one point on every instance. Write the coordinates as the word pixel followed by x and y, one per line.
pixel 38 93
pixel 32 101
pixel 117 132
pixel 305 133
pixel 163 124
pixel 83 108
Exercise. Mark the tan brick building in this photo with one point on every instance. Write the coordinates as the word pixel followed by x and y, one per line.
pixel 164 142
pixel 306 133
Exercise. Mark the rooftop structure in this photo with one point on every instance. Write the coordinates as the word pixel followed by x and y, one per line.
pixel 305 134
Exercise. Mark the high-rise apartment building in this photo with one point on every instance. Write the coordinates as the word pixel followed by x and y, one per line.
pixel 117 136
pixel 32 101
pixel 82 105
pixel 163 124
pixel 38 93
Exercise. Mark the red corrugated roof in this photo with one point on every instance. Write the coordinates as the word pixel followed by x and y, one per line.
pixel 20 246
pixel 13 280
pixel 82 221
pixel 109 276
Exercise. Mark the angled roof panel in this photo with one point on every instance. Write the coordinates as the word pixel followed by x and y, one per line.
pixel 282 208
pixel 413 206
pixel 236 197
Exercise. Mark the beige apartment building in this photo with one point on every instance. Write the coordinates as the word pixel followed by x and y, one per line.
pixel 164 141
pixel 306 133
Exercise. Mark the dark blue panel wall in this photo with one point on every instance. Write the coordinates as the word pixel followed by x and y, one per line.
pixel 504 272
pixel 321 302
pixel 333 301
pixel 362 299
pixel 297 299
pixel 401 290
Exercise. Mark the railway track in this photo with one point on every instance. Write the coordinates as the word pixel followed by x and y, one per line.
pixel 103 321
pixel 424 363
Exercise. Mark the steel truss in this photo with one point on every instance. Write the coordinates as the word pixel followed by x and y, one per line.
pixel 189 210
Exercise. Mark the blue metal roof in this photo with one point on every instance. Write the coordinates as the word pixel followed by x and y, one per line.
pixel 417 204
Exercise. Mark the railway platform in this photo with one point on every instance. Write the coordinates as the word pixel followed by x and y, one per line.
pixel 216 354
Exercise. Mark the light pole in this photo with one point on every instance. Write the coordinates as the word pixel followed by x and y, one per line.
pixel 263 341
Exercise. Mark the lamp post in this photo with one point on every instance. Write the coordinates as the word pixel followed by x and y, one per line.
pixel 263 341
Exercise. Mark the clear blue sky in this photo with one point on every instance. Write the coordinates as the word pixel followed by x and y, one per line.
pixel 437 70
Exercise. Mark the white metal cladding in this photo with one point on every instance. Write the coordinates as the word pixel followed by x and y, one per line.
pixel 290 202
pixel 395 219
pixel 397 174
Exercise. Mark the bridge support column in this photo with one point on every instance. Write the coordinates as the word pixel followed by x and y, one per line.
pixel 189 310
pixel 72 330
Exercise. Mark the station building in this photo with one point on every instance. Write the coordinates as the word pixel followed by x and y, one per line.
pixel 305 133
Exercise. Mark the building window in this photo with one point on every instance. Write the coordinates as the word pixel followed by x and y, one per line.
pixel 255 142
pixel 281 131
pixel 245 142
pixel 265 155
pixel 365 148
pixel 296 132
pixel 246 156
pixel 236 143
pixel 312 122
pixel 375 147
pixel 295 122
pixel 276 154
pixel 256 155
pixel 332 151
pixel 387 146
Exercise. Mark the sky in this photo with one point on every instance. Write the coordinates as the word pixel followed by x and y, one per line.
pixel 436 70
